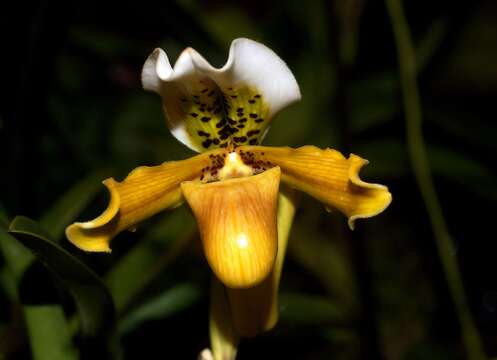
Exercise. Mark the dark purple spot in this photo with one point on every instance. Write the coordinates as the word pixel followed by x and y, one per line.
pixel 203 133
pixel 240 139
pixel 221 123
pixel 253 132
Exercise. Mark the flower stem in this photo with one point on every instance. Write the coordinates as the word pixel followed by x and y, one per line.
pixel 224 339
pixel 420 166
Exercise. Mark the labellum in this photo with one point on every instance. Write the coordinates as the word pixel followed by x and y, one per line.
pixel 237 223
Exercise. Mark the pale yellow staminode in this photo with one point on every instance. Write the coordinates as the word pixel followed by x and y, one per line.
pixel 234 167
pixel 237 223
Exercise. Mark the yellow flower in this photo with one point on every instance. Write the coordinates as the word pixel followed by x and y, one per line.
pixel 232 185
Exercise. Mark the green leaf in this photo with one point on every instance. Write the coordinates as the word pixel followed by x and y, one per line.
pixel 226 23
pixel 49 333
pixel 69 206
pixel 481 133
pixel 374 101
pixel 324 259
pixel 301 309
pixel 92 298
pixel 343 337
pixel 431 43
pixel 46 324
pixel 166 304
pixel 105 44
pixel 16 256
pixel 8 285
pixel 17 259
pixel 388 159
pixel 463 170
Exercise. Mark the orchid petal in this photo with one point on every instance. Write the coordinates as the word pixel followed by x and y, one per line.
pixel 145 192
pixel 209 107
pixel 237 224
pixel 325 175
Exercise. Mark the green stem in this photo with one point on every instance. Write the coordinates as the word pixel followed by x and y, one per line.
pixel 223 336
pixel 419 162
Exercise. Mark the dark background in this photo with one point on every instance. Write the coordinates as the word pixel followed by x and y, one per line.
pixel 72 105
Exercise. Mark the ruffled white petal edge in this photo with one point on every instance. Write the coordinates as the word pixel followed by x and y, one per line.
pixel 255 64
pixel 249 63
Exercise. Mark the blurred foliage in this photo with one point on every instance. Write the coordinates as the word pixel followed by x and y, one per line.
pixel 74 113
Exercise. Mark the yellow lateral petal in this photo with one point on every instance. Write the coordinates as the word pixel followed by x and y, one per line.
pixel 327 176
pixel 146 191
pixel 237 223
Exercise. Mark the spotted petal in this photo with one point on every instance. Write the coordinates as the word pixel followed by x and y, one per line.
pixel 145 192
pixel 324 174
pixel 207 107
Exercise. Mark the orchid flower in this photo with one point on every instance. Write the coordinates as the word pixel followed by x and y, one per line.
pixel 232 185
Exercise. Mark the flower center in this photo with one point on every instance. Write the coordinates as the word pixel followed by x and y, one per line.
pixel 235 162
pixel 234 167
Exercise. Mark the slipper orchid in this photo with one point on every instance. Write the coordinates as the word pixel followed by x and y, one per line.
pixel 232 186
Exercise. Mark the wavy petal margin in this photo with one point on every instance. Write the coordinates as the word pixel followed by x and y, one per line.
pixel 206 106
pixel 325 175
pixel 145 192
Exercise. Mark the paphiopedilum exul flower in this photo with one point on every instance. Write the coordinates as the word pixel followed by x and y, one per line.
pixel 232 186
